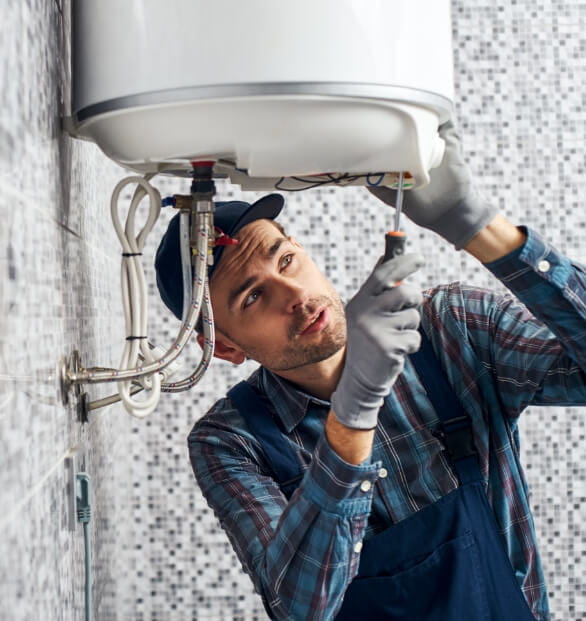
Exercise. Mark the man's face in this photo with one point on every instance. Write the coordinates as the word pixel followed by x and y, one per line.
pixel 271 300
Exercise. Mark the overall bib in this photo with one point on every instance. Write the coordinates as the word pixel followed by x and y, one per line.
pixel 447 562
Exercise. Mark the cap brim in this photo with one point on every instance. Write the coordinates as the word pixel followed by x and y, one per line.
pixel 267 207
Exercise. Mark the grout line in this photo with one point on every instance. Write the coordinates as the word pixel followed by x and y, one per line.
pixel 15 512
pixel 24 197
pixel 65 227
pixel 31 201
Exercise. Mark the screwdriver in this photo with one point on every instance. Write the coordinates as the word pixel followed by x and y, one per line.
pixel 395 240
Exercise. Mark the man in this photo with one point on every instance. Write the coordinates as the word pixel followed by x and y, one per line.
pixel 355 478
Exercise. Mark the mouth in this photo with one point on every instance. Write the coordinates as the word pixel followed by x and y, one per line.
pixel 316 322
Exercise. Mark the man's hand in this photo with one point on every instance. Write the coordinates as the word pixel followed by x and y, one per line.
pixel 450 205
pixel 382 321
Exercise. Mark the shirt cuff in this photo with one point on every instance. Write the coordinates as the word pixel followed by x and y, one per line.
pixel 531 263
pixel 337 486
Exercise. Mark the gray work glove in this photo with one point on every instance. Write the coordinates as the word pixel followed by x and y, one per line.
pixel 449 205
pixel 382 321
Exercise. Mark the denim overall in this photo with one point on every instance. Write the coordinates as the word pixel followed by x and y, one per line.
pixel 446 562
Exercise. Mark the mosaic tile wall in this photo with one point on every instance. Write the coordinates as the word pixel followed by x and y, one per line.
pixel 57 256
pixel 520 73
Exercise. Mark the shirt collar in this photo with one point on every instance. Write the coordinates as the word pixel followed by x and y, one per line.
pixel 289 402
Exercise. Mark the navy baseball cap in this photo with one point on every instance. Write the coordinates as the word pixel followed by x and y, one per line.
pixel 229 217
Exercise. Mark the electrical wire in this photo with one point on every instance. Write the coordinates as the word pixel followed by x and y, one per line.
pixel 84 515
pixel 374 184
pixel 88 572
pixel 134 294
pixel 371 179
pixel 135 304
pixel 310 184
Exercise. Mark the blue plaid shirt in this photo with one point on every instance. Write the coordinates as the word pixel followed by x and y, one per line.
pixel 498 357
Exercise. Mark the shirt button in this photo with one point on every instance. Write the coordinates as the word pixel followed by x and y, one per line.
pixel 382 473
pixel 543 266
pixel 365 486
pixel 358 547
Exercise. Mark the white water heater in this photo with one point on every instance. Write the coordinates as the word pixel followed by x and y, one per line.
pixel 267 89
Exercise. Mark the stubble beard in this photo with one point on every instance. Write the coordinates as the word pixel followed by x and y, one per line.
pixel 297 354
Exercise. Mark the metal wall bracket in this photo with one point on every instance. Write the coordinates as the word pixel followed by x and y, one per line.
pixel 65 368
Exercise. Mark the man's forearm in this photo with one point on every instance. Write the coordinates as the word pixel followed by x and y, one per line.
pixel 352 445
pixel 495 240
pixel 499 238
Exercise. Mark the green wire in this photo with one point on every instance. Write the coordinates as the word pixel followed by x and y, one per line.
pixel 88 571
pixel 84 514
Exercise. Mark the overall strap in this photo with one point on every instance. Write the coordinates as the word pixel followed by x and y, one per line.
pixel 455 425
pixel 263 425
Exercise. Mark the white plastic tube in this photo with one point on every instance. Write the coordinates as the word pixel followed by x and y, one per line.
pixel 98 374
pixel 137 350
pixel 134 296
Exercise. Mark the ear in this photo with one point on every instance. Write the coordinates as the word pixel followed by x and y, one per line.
pixel 224 351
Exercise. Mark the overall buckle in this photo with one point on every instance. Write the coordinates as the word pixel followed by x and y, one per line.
pixel 457 437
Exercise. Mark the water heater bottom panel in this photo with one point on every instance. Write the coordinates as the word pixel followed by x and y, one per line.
pixel 274 136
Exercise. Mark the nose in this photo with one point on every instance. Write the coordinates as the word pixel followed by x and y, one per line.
pixel 294 295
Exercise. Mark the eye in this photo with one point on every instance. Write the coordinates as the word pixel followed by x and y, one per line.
pixel 286 260
pixel 251 298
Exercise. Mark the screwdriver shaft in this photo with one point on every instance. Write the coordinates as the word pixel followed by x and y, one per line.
pixel 399 202
pixel 395 240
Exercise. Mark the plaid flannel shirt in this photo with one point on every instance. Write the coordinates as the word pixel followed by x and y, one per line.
pixel 499 358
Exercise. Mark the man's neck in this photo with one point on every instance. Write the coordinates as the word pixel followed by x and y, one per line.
pixel 319 379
